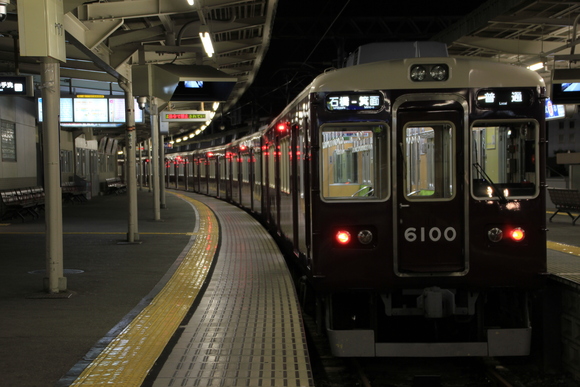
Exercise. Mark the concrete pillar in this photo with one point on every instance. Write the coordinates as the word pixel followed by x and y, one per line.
pixel 50 78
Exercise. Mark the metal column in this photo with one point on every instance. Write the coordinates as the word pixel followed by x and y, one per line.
pixel 162 170
pixel 154 155
pixel 133 224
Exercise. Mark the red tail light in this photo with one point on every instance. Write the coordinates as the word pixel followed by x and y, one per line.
pixel 517 234
pixel 343 237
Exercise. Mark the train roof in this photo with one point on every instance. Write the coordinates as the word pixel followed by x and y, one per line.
pixel 394 74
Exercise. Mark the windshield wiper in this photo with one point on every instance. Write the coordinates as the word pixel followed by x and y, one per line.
pixel 498 192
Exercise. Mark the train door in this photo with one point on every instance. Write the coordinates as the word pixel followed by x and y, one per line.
pixel 429 198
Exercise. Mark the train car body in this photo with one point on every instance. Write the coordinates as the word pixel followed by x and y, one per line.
pixel 412 195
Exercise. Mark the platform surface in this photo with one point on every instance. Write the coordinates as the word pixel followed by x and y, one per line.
pixel 247 329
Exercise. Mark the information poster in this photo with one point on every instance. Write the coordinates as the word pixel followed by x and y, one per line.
pixel 8 140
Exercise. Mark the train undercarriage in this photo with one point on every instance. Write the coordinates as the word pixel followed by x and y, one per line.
pixel 429 322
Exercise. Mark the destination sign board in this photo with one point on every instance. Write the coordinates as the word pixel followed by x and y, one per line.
pixel 500 98
pixel 345 102
pixel 186 116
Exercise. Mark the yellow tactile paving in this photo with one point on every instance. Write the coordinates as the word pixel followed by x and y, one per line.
pixel 574 250
pixel 129 357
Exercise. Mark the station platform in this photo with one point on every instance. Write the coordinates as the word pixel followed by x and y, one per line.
pixel 126 301
pixel 48 341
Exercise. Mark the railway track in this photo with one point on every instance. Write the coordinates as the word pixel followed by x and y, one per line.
pixel 330 371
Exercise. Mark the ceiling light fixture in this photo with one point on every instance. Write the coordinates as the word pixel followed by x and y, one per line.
pixel 536 66
pixel 190 2
pixel 206 40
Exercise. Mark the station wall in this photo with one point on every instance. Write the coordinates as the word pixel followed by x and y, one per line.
pixel 19 143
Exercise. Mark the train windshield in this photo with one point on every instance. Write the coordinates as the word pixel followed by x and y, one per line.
pixel 352 160
pixel 503 159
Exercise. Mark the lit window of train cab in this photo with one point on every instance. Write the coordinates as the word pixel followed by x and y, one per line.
pixel 351 158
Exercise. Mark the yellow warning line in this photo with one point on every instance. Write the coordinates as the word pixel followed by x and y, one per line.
pixel 574 250
pixel 129 357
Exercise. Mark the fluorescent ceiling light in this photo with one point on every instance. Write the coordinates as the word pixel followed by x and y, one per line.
pixel 190 2
pixel 536 66
pixel 206 41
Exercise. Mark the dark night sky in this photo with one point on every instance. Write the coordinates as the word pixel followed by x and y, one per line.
pixel 310 36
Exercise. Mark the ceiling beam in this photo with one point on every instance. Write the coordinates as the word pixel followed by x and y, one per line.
pixel 514 46
pixel 477 19
pixel 133 9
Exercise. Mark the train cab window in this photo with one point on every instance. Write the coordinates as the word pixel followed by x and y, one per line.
pixel 503 160
pixel 429 161
pixel 352 160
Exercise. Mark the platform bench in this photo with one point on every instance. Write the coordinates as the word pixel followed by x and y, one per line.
pixel 565 200
pixel 115 185
pixel 72 192
pixel 21 202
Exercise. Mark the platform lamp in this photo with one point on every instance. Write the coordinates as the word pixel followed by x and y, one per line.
pixel 206 40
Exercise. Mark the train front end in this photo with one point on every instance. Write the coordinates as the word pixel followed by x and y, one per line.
pixel 427 206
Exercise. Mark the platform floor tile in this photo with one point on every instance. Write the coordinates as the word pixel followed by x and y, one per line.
pixel 247 328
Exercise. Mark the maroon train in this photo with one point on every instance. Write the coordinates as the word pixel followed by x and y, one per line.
pixel 412 195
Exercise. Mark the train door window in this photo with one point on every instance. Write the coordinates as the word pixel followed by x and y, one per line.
pixel 503 159
pixel 246 168
pixel 285 164
pixel 351 161
pixel 429 161
pixel 257 165
pixel 235 167
pixel 271 166
pixel 222 166
pixel 211 168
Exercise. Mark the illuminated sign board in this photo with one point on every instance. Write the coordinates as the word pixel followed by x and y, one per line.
pixel 566 86
pixel 17 85
pixel 554 111
pixel 354 102
pixel 186 116
pixel 92 111
pixel 503 98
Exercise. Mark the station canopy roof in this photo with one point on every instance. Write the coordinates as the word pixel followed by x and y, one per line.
pixel 288 41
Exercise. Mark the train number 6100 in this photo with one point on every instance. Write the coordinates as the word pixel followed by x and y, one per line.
pixel 434 234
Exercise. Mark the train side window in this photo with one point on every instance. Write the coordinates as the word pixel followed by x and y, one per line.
pixel 352 156
pixel 503 159
pixel 429 161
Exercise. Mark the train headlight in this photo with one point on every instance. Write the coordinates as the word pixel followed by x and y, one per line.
pixel 429 72
pixel 418 73
pixel 517 234
pixel 343 237
pixel 439 72
pixel 495 234
pixel 365 237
